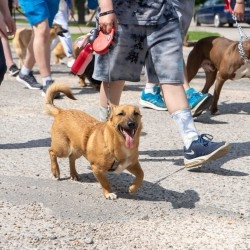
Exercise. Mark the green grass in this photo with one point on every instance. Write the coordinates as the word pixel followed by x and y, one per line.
pixel 76 35
pixel 197 35
pixel 193 35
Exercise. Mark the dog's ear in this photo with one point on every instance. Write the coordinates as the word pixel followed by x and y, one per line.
pixel 59 29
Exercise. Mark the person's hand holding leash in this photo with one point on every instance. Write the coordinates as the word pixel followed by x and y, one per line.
pixel 107 17
pixel 239 10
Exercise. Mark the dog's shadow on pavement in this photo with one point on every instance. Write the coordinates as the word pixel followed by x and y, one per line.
pixel 148 191
pixel 27 144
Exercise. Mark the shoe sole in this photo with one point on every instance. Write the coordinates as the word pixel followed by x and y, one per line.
pixel 220 152
pixel 15 73
pixel 202 106
pixel 151 105
pixel 26 84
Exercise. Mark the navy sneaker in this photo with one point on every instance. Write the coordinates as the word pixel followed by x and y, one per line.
pixel 204 150
pixel 198 101
pixel 28 80
pixel 44 89
pixel 153 100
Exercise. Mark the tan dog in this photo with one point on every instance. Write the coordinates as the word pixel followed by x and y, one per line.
pixel 108 146
pixel 23 36
pixel 59 52
pixel 221 61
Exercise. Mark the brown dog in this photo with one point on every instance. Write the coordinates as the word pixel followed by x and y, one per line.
pixel 221 61
pixel 60 54
pixel 23 36
pixel 108 146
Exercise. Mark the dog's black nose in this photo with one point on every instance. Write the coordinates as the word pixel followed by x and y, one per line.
pixel 131 124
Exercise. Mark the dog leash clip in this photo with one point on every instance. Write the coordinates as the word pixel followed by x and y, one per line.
pixel 93 35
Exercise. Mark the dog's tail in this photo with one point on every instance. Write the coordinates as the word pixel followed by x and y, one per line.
pixel 55 88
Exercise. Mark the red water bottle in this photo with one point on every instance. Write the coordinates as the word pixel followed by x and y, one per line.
pixel 82 61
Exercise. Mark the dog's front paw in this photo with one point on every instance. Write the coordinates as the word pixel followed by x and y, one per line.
pixel 74 177
pixel 111 196
pixel 55 177
pixel 132 189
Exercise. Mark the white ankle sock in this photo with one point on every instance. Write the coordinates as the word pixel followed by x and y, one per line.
pixel 149 88
pixel 103 114
pixel 25 71
pixel 186 126
pixel 45 79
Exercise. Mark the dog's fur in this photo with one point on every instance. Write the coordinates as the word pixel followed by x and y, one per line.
pixel 108 146
pixel 23 36
pixel 221 61
pixel 59 54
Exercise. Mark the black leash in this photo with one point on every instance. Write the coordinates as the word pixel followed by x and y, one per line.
pixel 77 24
pixel 19 11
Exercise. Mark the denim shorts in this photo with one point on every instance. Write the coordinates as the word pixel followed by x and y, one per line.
pixel 158 47
pixel 39 10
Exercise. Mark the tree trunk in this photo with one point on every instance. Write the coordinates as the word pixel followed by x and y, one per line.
pixel 81 11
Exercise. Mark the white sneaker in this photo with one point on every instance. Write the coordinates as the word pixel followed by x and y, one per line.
pixel 70 63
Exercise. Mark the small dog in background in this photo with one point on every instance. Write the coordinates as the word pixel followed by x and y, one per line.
pixel 23 36
pixel 59 54
pixel 221 60
pixel 108 146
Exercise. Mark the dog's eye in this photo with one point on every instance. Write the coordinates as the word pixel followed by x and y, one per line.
pixel 136 113
pixel 120 114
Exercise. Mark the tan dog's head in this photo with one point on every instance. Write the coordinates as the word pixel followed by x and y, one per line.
pixel 126 120
pixel 57 30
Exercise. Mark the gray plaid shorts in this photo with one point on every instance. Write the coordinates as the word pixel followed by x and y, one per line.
pixel 158 47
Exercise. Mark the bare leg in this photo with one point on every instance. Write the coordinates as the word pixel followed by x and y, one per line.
pixel 41 47
pixel 7 52
pixel 175 97
pixel 111 91
pixel 38 50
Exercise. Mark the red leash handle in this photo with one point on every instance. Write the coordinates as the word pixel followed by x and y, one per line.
pixel 103 41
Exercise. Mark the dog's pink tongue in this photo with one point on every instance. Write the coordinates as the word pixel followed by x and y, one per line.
pixel 129 141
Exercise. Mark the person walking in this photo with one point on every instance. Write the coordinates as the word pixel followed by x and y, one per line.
pixel 198 102
pixel 66 8
pixel 147 33
pixel 40 15
pixel 7 27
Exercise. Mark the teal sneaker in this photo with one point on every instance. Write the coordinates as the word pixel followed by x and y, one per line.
pixel 198 101
pixel 153 101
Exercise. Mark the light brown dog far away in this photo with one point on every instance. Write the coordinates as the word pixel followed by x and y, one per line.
pixel 23 36
pixel 108 146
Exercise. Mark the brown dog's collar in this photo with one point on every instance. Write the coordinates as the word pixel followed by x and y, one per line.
pixel 114 166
